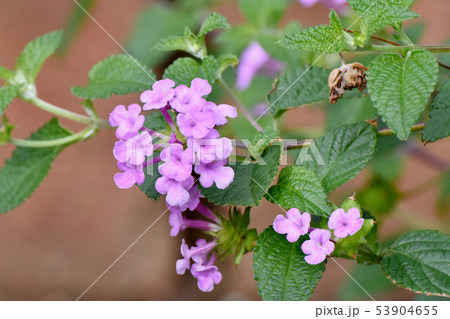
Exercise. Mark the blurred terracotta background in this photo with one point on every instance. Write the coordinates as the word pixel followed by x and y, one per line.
pixel 78 223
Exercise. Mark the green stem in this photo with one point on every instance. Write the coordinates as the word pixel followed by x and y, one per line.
pixel 60 111
pixel 388 131
pixel 401 48
pixel 239 105
pixel 56 142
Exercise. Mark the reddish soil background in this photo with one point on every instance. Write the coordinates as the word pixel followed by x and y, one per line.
pixel 78 223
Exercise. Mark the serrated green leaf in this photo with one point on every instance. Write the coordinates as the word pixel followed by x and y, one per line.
pixel 5 131
pixel 347 111
pixel 6 74
pixel 263 13
pixel 213 22
pixel 157 22
pixel 281 270
pixel 362 7
pixel 36 52
pixel 184 70
pixel 320 38
pixel 250 181
pixel 262 140
pixel 300 188
pixel 7 94
pixel 173 43
pixel 345 151
pixel 148 187
pixel 381 16
pixel 438 126
pixel 399 88
pixel 419 261
pixel 297 87
pixel 118 74
pixel 28 167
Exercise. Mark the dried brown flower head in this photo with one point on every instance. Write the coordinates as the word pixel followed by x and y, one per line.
pixel 347 77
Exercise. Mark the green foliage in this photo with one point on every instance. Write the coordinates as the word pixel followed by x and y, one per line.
pixel 250 183
pixel 148 187
pixel 226 60
pixel 345 151
pixel 438 126
pixel 300 188
pixel 27 167
pixel 6 74
pixel 298 86
pixel 36 52
pixel 262 140
pixel 118 74
pixel 380 16
pixel 184 70
pixel 320 38
pixel 349 246
pixel 281 270
pixel 155 121
pixel 362 7
pixel 419 261
pixel 188 43
pixel 399 87
pixel 263 13
pixel 7 94
pixel 5 131
pixel 234 236
pixel 213 22
pixel 157 22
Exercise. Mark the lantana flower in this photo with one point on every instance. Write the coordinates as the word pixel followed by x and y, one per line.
pixel 345 223
pixel 193 147
pixel 294 224
pixel 318 246
pixel 333 4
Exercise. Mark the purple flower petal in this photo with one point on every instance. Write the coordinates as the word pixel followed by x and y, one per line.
pixel 162 93
pixel 128 122
pixel 345 224
pixel 295 225
pixel 318 246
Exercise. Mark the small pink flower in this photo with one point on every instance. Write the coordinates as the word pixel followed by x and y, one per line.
pixel 318 246
pixel 215 172
pixel 177 192
pixel 295 225
pixel 221 112
pixel 196 123
pixel 134 150
pixel 129 177
pixel 162 92
pixel 345 223
pixel 177 162
pixel 128 122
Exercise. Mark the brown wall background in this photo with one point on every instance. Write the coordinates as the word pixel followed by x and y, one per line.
pixel 77 223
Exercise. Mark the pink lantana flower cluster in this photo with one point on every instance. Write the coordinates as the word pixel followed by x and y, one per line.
pixel 320 243
pixel 193 153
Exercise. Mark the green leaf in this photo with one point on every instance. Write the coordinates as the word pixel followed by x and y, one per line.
pixel 381 16
pixel 399 88
pixel 281 270
pixel 438 126
pixel 346 111
pixel 263 13
pixel 262 140
pixel 184 70
pixel 345 151
pixel 187 43
pixel 250 183
pixel 419 261
pixel 363 7
pixel 226 60
pixel 36 52
pixel 157 22
pixel 148 187
pixel 300 188
pixel 321 38
pixel 7 94
pixel 118 74
pixel 27 167
pixel 297 87
pixel 155 121
pixel 5 130
pixel 6 74
pixel 213 22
